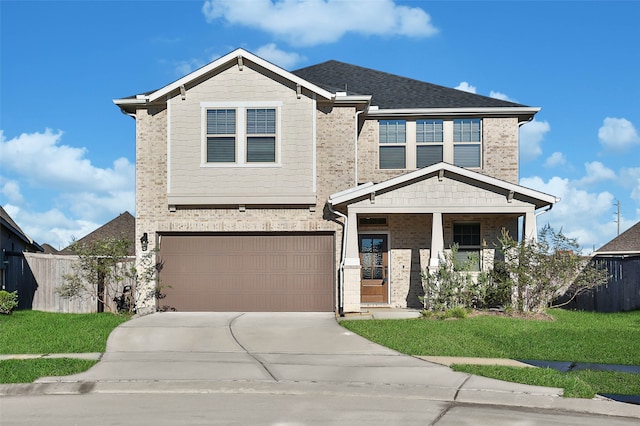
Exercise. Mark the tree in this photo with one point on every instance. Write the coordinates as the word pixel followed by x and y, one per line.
pixel 101 268
pixel 541 271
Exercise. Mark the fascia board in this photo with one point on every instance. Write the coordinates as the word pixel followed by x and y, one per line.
pixel 628 253
pixel 358 192
pixel 350 99
pixel 233 56
pixel 373 112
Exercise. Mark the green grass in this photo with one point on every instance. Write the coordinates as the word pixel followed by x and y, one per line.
pixel 28 370
pixel 576 384
pixel 34 332
pixel 571 336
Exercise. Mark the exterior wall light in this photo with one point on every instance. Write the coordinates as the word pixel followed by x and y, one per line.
pixel 144 241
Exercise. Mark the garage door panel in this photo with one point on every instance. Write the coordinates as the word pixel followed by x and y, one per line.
pixel 285 272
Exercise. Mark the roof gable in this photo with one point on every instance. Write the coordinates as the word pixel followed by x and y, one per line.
pixel 12 226
pixel 467 177
pixel 627 242
pixel 240 57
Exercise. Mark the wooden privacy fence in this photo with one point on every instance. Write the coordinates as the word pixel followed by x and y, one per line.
pixel 621 293
pixel 48 271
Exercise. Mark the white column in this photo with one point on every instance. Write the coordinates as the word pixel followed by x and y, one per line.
pixel 530 228
pixel 351 269
pixel 437 240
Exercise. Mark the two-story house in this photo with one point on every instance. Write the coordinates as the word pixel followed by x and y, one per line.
pixel 329 188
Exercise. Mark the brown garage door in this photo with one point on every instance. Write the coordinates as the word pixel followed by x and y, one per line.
pixel 264 273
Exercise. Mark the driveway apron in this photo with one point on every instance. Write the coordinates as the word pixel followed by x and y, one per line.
pixel 268 347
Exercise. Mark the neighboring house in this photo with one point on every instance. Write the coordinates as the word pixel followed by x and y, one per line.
pixel 123 226
pixel 15 274
pixel 621 257
pixel 329 188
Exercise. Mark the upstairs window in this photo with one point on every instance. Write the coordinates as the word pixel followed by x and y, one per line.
pixel 242 134
pixel 429 142
pixel 261 135
pixel 466 142
pixel 221 136
pixel 393 138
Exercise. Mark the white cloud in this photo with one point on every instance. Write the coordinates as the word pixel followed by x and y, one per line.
pixel 10 190
pixel 587 216
pixel 466 87
pixel 597 172
pixel 84 196
pixel 283 59
pixel 531 136
pixel 630 178
pixel 52 227
pixel 555 160
pixel 40 160
pixel 618 134
pixel 501 96
pixel 314 22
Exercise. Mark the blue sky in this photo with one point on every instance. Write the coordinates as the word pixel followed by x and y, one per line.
pixel 67 154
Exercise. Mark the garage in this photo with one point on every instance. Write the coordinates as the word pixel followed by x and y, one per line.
pixel 287 272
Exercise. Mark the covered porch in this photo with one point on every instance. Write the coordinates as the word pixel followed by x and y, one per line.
pixel 395 230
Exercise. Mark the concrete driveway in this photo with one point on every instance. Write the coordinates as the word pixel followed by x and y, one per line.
pixel 263 347
pixel 286 354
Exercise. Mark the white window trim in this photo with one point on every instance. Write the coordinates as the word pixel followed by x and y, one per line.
pixel 480 143
pixel 447 144
pixel 241 139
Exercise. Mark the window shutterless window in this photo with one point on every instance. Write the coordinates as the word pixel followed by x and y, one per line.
pixel 429 142
pixel 467 142
pixel 241 134
pixel 392 147
pixel 221 136
pixel 467 237
pixel 261 135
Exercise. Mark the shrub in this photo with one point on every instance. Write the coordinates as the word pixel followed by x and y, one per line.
pixel 8 301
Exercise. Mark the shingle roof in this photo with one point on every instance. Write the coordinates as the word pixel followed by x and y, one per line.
pixel 628 241
pixel 13 226
pixel 123 226
pixel 392 91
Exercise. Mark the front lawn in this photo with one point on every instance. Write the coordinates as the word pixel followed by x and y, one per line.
pixel 570 336
pixel 34 332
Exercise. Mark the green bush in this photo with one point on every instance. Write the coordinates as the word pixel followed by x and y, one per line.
pixel 8 301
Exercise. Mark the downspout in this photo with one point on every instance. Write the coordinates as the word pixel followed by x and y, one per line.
pixel 342 258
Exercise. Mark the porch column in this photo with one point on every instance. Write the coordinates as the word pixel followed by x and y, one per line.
pixel 530 228
pixel 437 241
pixel 351 270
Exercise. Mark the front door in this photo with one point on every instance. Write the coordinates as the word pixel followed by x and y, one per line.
pixel 374 278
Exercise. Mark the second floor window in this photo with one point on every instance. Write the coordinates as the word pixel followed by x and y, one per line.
pixel 261 135
pixel 429 142
pixel 466 142
pixel 393 138
pixel 241 135
pixel 221 136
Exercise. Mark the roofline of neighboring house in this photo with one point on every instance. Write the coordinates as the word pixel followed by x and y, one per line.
pixel 238 55
pixel 369 188
pixel 524 113
pixel 24 237
pixel 616 253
